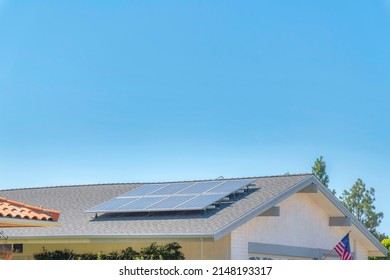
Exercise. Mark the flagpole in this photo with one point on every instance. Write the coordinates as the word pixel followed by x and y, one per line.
pixel 328 254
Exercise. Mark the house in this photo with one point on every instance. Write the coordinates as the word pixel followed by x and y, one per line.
pixel 15 214
pixel 274 217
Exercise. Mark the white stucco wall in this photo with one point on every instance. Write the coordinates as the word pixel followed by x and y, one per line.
pixel 301 223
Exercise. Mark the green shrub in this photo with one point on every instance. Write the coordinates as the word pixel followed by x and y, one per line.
pixel 170 251
pixel 88 256
pixel 386 243
pixel 128 254
pixel 55 255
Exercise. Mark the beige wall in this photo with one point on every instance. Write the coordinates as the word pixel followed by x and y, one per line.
pixel 193 249
pixel 301 223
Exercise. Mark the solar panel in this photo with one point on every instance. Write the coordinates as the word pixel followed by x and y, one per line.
pixel 144 190
pixel 201 187
pixel 201 201
pixel 229 186
pixel 141 203
pixel 171 202
pixel 112 204
pixel 172 188
pixel 171 196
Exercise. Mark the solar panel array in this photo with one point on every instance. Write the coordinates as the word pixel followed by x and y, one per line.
pixel 172 196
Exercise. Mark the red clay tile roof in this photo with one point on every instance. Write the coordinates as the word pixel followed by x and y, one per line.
pixel 15 209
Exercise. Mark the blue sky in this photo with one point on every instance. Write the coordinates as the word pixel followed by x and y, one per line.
pixel 136 91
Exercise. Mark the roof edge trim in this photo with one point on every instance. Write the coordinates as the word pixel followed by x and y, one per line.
pixel 111 236
pixel 12 222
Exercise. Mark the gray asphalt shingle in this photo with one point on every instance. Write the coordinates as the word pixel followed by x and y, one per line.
pixel 72 201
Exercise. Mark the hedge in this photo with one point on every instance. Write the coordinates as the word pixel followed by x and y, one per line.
pixel 170 251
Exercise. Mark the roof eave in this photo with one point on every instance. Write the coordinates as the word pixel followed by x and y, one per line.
pixel 117 236
pixel 263 207
pixel 13 222
pixel 348 214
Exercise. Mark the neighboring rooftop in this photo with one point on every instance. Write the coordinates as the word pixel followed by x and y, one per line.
pixel 15 214
pixel 19 210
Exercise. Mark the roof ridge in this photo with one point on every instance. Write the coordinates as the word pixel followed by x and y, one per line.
pixel 156 182
pixel 67 186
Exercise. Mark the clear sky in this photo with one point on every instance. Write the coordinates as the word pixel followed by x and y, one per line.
pixel 140 91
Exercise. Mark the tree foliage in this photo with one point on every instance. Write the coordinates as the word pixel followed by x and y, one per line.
pixel 359 200
pixel 319 169
pixel 386 243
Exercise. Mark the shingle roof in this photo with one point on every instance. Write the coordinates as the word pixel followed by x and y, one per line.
pixel 19 210
pixel 72 201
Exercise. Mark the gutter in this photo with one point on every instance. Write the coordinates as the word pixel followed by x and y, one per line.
pixel 14 223
pixel 137 236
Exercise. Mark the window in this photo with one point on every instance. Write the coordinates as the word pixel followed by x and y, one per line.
pixel 17 248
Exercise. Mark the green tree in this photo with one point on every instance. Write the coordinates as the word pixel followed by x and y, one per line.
pixel 359 200
pixel 319 169
pixel 381 236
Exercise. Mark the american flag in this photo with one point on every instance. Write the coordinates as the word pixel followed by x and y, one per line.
pixel 343 248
